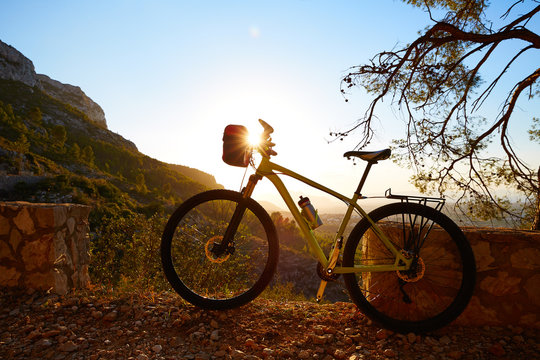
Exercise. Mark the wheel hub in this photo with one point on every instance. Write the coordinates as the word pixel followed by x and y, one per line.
pixel 415 272
pixel 210 253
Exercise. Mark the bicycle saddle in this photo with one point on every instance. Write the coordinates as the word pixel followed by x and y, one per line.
pixel 370 156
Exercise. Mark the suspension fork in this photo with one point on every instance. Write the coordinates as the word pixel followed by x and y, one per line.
pixel 227 244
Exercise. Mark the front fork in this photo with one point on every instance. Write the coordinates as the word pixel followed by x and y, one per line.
pixel 227 243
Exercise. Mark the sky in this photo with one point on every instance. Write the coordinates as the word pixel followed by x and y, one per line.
pixel 171 74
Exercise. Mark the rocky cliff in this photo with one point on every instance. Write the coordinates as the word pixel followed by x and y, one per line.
pixel 74 96
pixel 15 66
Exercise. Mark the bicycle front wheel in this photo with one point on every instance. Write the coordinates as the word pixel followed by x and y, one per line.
pixel 212 279
pixel 437 287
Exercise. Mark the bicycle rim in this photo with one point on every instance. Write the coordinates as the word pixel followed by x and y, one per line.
pixel 440 282
pixel 225 280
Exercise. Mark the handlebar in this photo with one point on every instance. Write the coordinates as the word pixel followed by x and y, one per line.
pixel 267 128
pixel 265 147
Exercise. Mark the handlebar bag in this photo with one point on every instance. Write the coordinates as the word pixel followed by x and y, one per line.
pixel 236 150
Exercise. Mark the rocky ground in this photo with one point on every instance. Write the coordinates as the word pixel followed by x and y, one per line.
pixel 162 326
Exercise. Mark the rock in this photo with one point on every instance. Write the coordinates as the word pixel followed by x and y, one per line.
pixel 317 339
pixel 111 316
pixel 517 338
pixel 497 350
pixel 456 355
pixel 220 353
pixel 318 329
pixel 15 66
pixel 68 346
pixel 14 312
pixel 34 335
pixel 267 352
pixel 202 356
pixel 97 314
pixel 157 348
pixel 411 338
pixel 389 353
pixel 250 343
pixel 238 354
pixel 381 334
pixel 445 340
pixel 304 354
pixel 44 343
pixel 340 354
pixel 176 342
pixel 74 96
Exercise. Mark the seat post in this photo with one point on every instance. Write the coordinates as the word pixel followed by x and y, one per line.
pixel 364 177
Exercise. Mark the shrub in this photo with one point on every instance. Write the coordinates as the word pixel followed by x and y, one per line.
pixel 125 252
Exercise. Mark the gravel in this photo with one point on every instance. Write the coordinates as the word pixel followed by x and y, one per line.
pixel 135 326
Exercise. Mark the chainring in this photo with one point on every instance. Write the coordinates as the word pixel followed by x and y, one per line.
pixel 324 275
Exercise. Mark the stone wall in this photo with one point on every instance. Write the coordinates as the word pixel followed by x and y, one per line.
pixel 508 278
pixel 507 288
pixel 44 246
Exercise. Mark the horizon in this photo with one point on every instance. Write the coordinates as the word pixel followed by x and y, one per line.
pixel 171 75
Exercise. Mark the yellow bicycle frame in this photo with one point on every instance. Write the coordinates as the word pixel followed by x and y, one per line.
pixel 268 169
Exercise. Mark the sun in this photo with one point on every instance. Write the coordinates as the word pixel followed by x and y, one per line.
pixel 254 139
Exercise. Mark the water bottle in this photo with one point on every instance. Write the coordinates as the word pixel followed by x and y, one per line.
pixel 309 213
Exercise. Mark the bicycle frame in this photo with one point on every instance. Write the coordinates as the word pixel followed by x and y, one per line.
pixel 268 169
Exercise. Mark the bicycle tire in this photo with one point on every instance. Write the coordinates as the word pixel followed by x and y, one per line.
pixel 236 277
pixel 426 297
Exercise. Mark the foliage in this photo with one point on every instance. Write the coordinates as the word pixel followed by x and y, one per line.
pixel 87 155
pixel 436 81
pixel 534 132
pixel 125 252
pixel 59 134
pixel 280 291
pixel 288 233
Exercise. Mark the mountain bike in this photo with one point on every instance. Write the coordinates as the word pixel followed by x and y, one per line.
pixel 405 265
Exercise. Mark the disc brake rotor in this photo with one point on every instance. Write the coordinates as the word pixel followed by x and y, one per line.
pixel 210 255
pixel 416 271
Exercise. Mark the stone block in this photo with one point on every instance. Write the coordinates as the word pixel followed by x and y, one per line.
pixel 24 222
pixel 4 225
pixel 9 276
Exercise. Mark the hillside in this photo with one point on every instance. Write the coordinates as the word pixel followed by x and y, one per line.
pixel 94 325
pixel 55 147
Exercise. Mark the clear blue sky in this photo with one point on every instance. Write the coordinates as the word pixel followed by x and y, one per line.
pixel 170 75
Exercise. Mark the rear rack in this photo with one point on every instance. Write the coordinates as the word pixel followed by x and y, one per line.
pixel 438 203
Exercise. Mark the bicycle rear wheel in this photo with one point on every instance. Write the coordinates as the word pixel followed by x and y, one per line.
pixel 219 280
pixel 437 287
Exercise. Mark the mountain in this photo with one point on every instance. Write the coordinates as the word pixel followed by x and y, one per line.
pixel 55 147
